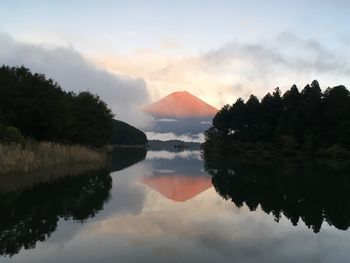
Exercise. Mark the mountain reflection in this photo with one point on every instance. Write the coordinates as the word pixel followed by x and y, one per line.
pixel 178 188
pixel 178 176
pixel 312 192
pixel 30 215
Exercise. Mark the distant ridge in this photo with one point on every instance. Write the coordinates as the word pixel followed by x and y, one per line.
pixel 125 134
pixel 181 104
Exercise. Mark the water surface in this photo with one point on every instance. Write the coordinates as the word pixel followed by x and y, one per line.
pixel 163 206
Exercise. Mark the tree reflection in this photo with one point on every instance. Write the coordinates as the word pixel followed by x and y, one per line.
pixel 123 157
pixel 313 192
pixel 32 214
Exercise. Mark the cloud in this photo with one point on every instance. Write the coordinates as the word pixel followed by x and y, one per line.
pixel 169 44
pixel 259 67
pixel 163 154
pixel 208 228
pixel 172 136
pixel 238 69
pixel 287 52
pixel 206 122
pixel 166 120
pixel 125 95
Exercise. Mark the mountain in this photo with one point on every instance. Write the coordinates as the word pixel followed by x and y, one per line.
pixel 125 134
pixel 181 113
pixel 181 104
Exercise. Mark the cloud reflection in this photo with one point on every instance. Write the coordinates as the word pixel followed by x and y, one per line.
pixel 152 155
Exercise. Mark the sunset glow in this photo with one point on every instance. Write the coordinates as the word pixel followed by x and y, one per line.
pixel 216 50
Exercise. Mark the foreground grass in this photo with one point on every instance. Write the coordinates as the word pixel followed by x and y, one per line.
pixel 15 158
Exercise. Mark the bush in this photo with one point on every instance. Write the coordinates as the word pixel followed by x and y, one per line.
pixel 335 151
pixel 11 135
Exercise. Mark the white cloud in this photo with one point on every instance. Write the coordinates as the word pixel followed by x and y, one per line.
pixel 172 136
pixel 166 120
pixel 163 154
pixel 206 122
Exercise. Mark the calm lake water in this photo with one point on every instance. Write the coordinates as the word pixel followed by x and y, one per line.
pixel 165 206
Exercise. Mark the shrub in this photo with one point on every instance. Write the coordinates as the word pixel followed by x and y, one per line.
pixel 11 135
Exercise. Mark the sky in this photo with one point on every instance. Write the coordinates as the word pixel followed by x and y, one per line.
pixel 134 52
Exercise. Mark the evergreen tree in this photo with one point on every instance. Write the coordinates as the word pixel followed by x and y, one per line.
pixel 252 118
pixel 290 118
pixel 222 120
pixel 310 118
pixel 336 105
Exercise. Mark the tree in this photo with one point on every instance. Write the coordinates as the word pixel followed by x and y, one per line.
pixel 237 119
pixel 309 118
pixel 252 118
pixel 310 106
pixel 336 105
pixel 92 120
pixel 41 110
pixel 268 118
pixel 290 118
pixel 222 120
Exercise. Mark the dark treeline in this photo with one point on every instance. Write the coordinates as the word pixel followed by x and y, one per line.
pixel 309 118
pixel 41 110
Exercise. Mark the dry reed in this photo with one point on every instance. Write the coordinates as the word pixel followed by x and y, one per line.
pixel 14 158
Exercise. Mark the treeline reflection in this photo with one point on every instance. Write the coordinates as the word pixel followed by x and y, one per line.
pixel 312 192
pixel 31 215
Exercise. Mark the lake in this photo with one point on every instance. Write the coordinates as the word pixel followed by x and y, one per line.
pixel 162 206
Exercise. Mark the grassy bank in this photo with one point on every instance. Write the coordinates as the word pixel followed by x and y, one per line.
pixel 15 158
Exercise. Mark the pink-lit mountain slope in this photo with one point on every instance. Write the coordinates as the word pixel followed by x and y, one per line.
pixel 181 104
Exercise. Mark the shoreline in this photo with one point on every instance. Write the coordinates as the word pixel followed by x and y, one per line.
pixel 273 150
